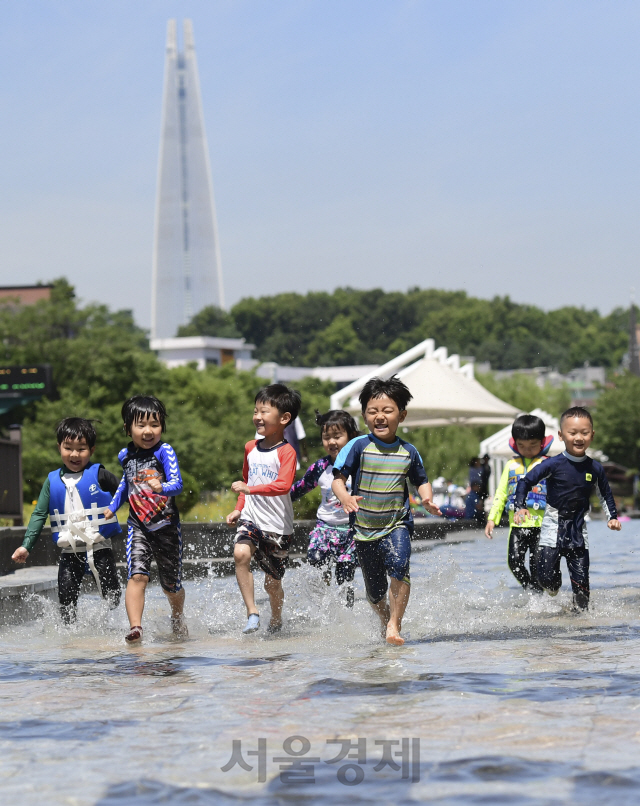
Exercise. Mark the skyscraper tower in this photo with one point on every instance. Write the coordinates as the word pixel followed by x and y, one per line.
pixel 187 273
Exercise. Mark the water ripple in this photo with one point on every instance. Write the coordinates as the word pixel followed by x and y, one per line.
pixel 570 684
pixel 88 731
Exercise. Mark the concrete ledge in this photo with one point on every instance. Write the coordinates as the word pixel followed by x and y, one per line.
pixel 22 592
pixel 17 600
pixel 29 580
pixel 200 540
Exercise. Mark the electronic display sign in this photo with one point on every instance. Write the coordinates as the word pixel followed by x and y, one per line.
pixel 29 380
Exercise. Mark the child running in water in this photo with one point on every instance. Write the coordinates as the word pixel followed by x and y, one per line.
pixel 572 477
pixel 530 445
pixel 379 465
pixel 331 539
pixel 264 510
pixel 151 479
pixel 74 497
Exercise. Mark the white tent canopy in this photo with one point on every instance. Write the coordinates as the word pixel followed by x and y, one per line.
pixel 444 393
pixel 496 447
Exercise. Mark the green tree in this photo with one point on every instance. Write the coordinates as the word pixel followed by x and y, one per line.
pixel 338 343
pixel 211 321
pixel 508 334
pixel 522 391
pixel 617 421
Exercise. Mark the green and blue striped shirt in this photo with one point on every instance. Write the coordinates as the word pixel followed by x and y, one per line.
pixel 379 472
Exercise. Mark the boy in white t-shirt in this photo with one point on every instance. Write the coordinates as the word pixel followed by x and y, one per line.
pixel 264 510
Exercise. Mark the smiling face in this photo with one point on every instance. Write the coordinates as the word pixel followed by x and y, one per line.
pixel 268 421
pixel 146 431
pixel 334 439
pixel 75 454
pixel 383 418
pixel 577 434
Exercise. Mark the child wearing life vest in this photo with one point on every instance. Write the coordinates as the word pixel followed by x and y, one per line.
pixel 571 477
pixel 75 498
pixel 530 445
pixel 151 479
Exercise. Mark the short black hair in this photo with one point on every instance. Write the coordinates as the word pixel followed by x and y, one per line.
pixel 528 426
pixel 283 398
pixel 392 387
pixel 76 428
pixel 576 411
pixel 139 407
pixel 340 419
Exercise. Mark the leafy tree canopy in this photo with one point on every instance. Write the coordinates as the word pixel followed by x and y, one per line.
pixel 617 421
pixel 211 321
pixel 350 326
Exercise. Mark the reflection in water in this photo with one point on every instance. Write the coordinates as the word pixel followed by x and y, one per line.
pixel 59 731
pixel 514 698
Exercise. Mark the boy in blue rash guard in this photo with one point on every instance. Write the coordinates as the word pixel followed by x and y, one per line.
pixel 571 478
pixel 74 498
pixel 150 482
pixel 379 465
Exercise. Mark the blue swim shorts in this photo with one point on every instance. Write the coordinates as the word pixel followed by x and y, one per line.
pixel 389 555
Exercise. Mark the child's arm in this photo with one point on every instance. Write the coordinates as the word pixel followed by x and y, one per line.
pixel 107 481
pixel 425 491
pixel 36 523
pixel 607 501
pixel 499 500
pixel 347 464
pixel 526 484
pixel 232 517
pixel 339 487
pixel 172 485
pixel 116 502
pixel 418 477
pixel 310 479
pixel 280 486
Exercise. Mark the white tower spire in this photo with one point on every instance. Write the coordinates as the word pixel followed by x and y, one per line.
pixel 187 272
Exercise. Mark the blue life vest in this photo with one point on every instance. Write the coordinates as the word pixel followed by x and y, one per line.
pixel 537 497
pixel 90 493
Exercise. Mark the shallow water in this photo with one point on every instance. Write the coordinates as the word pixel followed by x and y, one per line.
pixel 497 696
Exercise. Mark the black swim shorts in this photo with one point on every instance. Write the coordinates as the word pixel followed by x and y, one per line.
pixel 272 549
pixel 164 546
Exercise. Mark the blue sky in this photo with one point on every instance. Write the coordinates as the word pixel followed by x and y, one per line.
pixel 484 145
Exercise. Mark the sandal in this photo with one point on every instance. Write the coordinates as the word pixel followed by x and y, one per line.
pixel 134 635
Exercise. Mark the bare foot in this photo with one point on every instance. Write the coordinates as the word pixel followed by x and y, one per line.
pixel 393 636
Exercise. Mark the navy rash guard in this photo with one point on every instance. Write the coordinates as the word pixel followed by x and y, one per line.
pixel 571 480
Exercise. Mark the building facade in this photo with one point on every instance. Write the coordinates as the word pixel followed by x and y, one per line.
pixel 204 351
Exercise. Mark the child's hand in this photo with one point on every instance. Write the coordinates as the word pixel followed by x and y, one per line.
pixel 431 507
pixel 20 555
pixel 232 517
pixel 614 524
pixel 240 487
pixel 155 484
pixel 350 504
pixel 488 530
pixel 520 516
pixel 108 514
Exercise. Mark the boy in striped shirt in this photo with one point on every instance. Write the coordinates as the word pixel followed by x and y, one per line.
pixel 379 465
